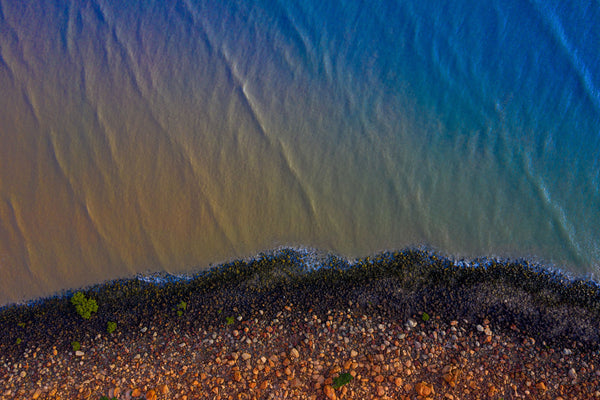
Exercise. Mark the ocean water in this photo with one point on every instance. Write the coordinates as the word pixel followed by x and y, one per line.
pixel 172 135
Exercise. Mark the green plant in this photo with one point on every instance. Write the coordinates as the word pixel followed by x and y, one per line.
pixel 425 317
pixel 230 320
pixel 21 324
pixel 181 307
pixel 111 326
pixel 76 346
pixel 84 306
pixel 341 380
pixel 106 398
pixel 19 340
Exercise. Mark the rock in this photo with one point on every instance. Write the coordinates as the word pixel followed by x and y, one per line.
pixel 450 375
pixel 163 389
pixel 353 353
pixel 246 356
pixel 136 392
pixel 294 353
pixel 398 381
pixel 237 376
pixel 36 394
pixel 329 392
pixel 412 323
pixel 541 386
pixel 380 391
pixel 379 378
pixel 572 373
pixel 423 389
pixel 79 353
pixel 151 394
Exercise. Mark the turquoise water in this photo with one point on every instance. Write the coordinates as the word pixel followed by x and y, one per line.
pixel 169 135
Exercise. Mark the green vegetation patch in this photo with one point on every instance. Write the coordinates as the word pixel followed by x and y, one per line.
pixel 111 326
pixel 341 380
pixel 84 306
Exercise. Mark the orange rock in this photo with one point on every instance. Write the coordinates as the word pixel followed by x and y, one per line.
pixel 151 395
pixel 237 376
pixel 329 392
pixel 541 386
pixel 164 389
pixel 423 389
pixel 398 381
pixel 379 378
pixel 136 392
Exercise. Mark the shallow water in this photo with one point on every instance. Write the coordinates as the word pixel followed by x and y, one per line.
pixel 171 135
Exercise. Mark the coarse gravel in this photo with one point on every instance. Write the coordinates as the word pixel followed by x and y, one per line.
pixel 406 325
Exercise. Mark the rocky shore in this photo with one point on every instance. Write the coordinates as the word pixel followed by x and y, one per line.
pixel 406 325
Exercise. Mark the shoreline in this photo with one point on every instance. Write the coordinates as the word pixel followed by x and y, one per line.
pixel 411 293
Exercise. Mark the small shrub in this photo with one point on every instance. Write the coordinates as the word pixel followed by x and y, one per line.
pixel 19 340
pixel 84 306
pixel 76 346
pixel 425 317
pixel 181 307
pixel 111 326
pixel 341 380
pixel 230 320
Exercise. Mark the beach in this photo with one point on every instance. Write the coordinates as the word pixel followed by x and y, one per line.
pixel 405 325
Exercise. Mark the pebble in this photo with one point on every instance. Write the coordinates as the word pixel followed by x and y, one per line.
pixel 329 392
pixel 246 356
pixel 294 353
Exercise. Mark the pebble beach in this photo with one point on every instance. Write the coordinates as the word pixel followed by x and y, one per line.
pixel 405 325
